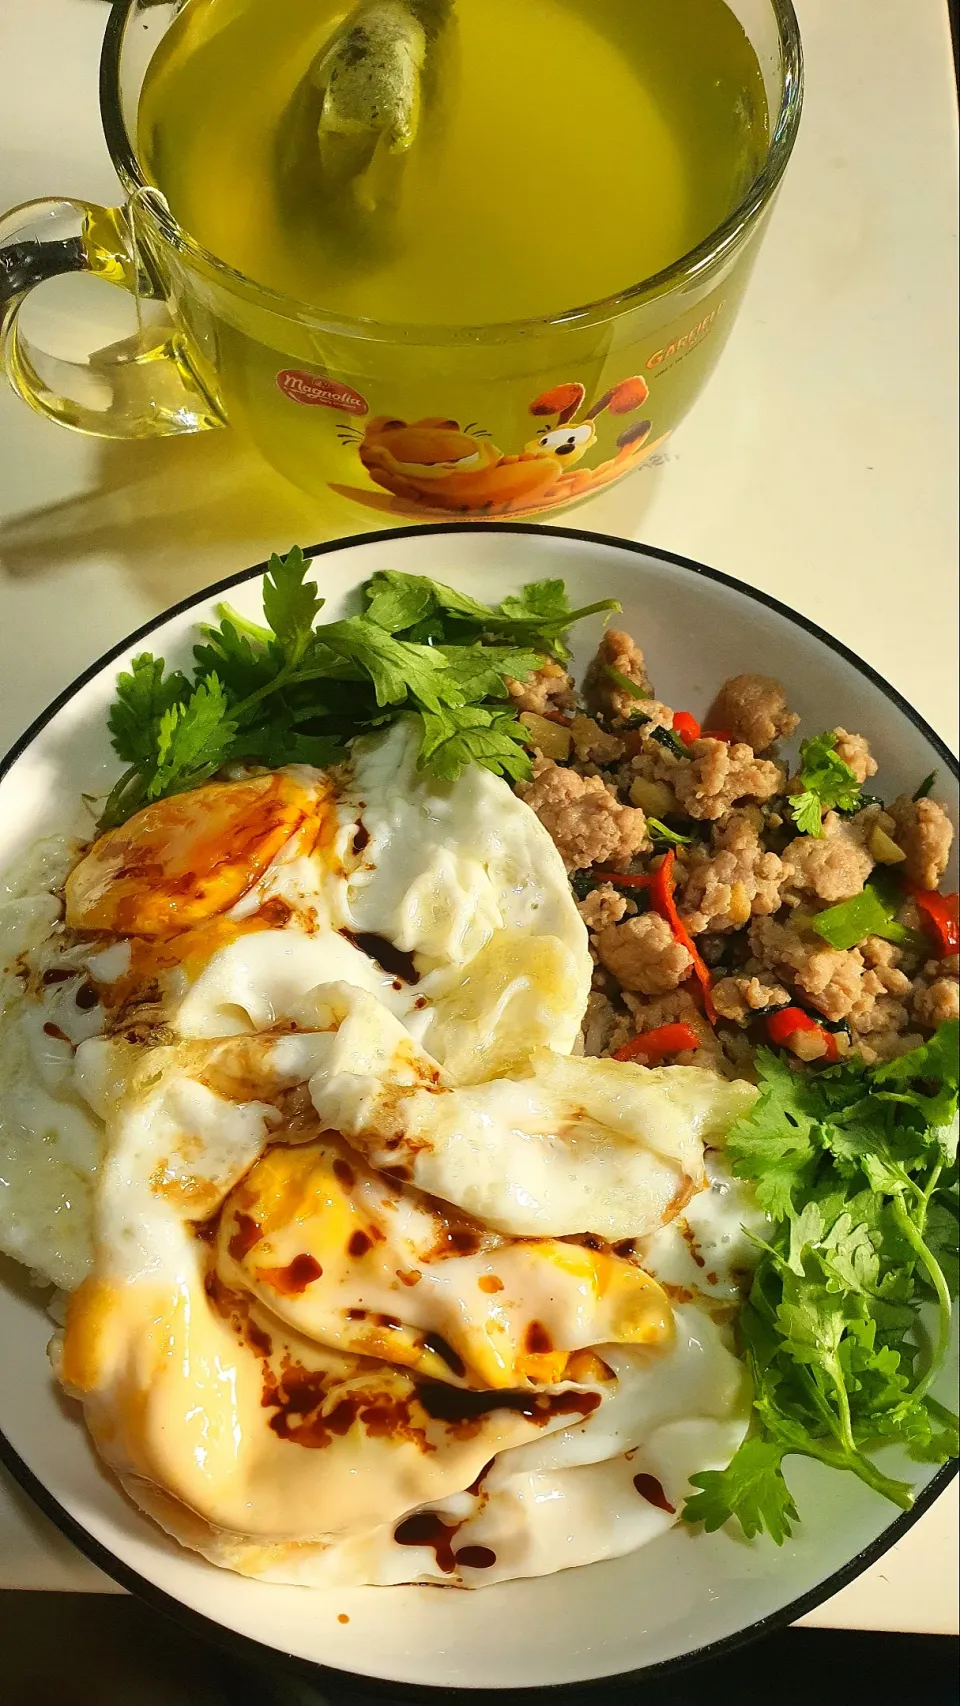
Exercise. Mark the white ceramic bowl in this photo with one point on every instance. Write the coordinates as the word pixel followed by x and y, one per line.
pixel 686 1594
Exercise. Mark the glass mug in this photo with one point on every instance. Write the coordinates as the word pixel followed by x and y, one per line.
pixel 423 422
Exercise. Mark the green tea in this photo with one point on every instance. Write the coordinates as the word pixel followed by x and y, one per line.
pixel 559 150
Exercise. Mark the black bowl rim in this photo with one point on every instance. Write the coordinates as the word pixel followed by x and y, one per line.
pixel 245 1646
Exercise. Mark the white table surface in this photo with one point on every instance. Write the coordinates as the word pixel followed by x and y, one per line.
pixel 820 465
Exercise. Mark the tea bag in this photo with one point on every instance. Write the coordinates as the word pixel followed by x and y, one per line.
pixel 358 108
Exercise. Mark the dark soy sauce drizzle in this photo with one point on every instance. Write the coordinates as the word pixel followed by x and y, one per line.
pixel 426 1529
pixel 394 961
pixel 650 1489
pixel 454 1404
pixel 436 1343
pixel 476 1557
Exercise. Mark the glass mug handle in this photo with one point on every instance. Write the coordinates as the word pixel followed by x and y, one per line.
pixel 141 387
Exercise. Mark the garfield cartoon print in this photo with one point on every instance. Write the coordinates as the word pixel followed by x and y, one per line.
pixel 436 465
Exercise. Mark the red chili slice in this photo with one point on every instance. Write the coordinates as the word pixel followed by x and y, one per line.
pixel 656 1045
pixel 661 886
pixel 785 1024
pixel 941 916
pixel 662 895
pixel 686 726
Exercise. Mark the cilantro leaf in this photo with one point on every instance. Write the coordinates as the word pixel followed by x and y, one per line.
pixel 398 669
pixel 291 603
pixel 941 1235
pixel 240 662
pixel 774 1144
pixel 143 695
pixel 480 671
pixel 544 601
pixel 938 1058
pixel 806 813
pixel 456 737
pixel 751 1489
pixel 396 601
pixel 827 782
pixel 850 1255
pixel 193 740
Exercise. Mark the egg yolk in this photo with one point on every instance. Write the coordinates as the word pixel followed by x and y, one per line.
pixel 182 860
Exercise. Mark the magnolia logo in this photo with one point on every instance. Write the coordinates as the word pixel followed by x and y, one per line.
pixel 318 392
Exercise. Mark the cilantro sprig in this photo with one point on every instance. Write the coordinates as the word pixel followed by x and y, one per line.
pixel 827 783
pixel 857 1168
pixel 296 690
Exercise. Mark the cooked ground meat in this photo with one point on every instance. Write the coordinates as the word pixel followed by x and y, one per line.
pixel 605 1029
pixel 855 752
pixel 643 954
pixel 884 959
pixel 842 984
pixel 886 1045
pixel 754 709
pixel 880 1026
pixel 602 906
pixel 587 822
pixel 936 1001
pixel 738 880
pixel 746 883
pixel 925 833
pixel 591 744
pixel 715 776
pixel 549 689
pixel 604 698
pixel 831 979
pixel 738 998
pixel 833 867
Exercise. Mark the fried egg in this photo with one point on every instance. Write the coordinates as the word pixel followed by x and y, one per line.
pixel 371 1277
pixel 206 1374
pixel 285 1354
pixel 441 1293
pixel 564 1145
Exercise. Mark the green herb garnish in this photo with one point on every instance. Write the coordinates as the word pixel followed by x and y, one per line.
pixel 621 680
pixel 582 884
pixel 828 783
pixel 857 1168
pixel 671 740
pixel 295 690
pixel 926 786
pixel 661 832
